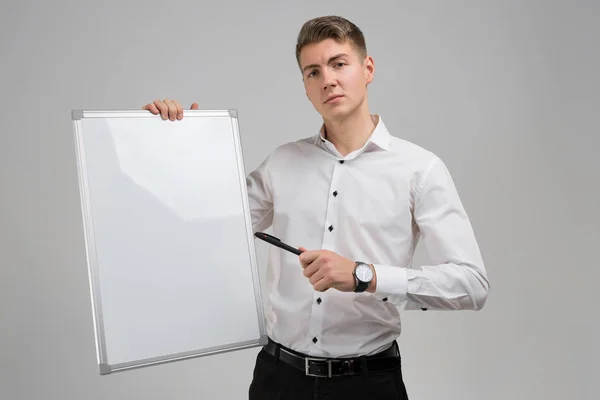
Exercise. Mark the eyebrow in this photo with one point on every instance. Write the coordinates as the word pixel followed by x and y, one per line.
pixel 332 59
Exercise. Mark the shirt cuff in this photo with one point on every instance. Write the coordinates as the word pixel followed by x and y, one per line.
pixel 392 282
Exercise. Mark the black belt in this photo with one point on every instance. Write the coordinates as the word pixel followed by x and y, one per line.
pixel 328 367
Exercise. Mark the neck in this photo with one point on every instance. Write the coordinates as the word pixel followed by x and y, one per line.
pixel 351 132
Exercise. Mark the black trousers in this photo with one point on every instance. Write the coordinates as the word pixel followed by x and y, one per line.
pixel 274 379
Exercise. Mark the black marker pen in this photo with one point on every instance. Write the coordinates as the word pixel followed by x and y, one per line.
pixel 276 242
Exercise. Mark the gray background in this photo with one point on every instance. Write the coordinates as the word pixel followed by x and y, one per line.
pixel 507 93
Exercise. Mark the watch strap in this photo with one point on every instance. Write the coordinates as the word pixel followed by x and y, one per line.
pixel 361 286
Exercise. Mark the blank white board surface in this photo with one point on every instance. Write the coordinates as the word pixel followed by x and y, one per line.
pixel 168 235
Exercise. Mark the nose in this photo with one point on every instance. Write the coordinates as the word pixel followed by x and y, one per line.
pixel 328 79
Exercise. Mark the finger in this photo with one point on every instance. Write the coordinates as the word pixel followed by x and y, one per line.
pixel 302 249
pixel 321 286
pixel 312 268
pixel 151 107
pixel 179 109
pixel 307 257
pixel 194 106
pixel 162 107
pixel 172 109
pixel 316 277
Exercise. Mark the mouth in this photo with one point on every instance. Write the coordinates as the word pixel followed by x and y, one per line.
pixel 331 99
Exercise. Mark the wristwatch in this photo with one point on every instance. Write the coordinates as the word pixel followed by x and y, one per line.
pixel 363 274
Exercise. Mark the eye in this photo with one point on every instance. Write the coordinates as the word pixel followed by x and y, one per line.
pixel 340 64
pixel 311 73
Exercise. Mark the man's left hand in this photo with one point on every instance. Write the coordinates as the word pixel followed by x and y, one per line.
pixel 326 269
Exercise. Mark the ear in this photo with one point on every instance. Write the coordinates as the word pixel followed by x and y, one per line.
pixel 369 69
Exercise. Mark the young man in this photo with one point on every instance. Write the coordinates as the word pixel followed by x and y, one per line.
pixel 358 199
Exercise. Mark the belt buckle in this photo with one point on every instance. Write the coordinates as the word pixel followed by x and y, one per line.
pixel 307 366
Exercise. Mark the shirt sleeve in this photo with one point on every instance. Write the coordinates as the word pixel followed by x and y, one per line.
pixel 456 278
pixel 260 196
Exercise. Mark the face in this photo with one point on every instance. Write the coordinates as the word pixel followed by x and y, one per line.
pixel 335 77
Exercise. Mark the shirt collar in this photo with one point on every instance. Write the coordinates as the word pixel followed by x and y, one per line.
pixel 379 139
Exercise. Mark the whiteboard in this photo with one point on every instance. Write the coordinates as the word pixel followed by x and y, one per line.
pixel 168 236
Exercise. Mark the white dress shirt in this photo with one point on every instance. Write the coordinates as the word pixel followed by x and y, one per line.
pixel 372 205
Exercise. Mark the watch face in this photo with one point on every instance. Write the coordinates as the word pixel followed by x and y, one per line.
pixel 364 273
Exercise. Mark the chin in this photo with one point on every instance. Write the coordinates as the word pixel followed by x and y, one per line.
pixel 337 112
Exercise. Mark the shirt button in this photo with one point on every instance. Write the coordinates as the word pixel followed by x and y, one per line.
pixel 315 340
pixel 385 299
pixel 330 228
pixel 335 193
pixel 319 300
pixel 341 161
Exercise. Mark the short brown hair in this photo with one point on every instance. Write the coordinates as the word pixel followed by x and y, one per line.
pixel 331 27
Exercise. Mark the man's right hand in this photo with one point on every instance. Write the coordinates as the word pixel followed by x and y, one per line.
pixel 168 109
